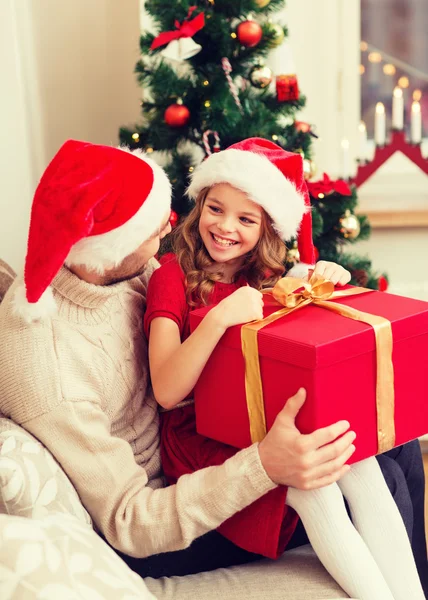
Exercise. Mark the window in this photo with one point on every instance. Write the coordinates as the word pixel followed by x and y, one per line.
pixel 394 54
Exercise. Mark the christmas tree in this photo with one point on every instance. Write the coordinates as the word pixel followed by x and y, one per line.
pixel 206 86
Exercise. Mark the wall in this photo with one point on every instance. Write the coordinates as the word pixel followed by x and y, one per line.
pixel 68 71
pixel 324 37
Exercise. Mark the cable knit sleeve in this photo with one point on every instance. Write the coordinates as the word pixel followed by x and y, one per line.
pixel 134 518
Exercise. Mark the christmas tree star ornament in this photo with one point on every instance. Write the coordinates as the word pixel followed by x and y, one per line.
pixel 180 43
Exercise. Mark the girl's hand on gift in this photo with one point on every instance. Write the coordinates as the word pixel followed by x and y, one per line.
pixel 243 306
pixel 303 461
pixel 332 272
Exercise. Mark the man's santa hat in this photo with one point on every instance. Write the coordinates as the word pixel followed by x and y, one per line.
pixel 272 178
pixel 94 206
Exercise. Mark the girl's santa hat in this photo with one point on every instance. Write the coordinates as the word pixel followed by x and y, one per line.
pixel 94 206
pixel 272 178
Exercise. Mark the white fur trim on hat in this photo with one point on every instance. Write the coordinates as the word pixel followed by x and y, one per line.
pixel 45 307
pixel 261 180
pixel 101 252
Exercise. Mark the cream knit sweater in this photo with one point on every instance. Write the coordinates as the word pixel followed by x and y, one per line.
pixel 79 383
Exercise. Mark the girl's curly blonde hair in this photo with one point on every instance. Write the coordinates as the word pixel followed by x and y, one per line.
pixel 263 266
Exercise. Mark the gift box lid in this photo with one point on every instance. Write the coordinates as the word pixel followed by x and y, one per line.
pixel 313 337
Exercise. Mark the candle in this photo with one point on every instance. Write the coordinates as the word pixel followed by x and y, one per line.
pixel 380 125
pixel 362 142
pixel 346 166
pixel 416 123
pixel 397 108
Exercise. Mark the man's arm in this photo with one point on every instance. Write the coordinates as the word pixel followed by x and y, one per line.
pixel 134 518
pixel 141 521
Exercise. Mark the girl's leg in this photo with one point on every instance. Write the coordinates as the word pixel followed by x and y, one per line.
pixel 379 522
pixel 337 543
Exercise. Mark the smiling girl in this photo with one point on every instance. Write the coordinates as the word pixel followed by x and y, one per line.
pixel 249 198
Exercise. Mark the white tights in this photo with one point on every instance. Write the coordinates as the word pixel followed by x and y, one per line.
pixel 371 558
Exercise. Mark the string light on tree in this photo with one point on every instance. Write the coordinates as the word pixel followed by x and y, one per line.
pixel 136 137
pixel 262 3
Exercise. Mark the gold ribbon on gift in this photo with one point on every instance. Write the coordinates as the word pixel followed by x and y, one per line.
pixel 293 294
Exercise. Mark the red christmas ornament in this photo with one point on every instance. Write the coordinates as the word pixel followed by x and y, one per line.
pixel 287 88
pixel 382 284
pixel 173 219
pixel 177 115
pixel 249 33
pixel 303 127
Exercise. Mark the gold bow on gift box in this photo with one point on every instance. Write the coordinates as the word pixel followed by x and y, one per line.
pixel 293 294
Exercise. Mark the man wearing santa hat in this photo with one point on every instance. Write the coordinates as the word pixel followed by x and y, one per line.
pixel 74 373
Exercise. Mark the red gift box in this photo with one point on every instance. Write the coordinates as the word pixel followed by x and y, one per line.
pixel 334 358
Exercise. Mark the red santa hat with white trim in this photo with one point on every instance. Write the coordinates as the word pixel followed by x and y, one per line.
pixel 272 178
pixel 94 206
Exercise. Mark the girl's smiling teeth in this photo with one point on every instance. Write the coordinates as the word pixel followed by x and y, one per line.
pixel 223 241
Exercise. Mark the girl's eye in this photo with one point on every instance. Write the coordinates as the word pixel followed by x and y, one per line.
pixel 214 209
pixel 246 221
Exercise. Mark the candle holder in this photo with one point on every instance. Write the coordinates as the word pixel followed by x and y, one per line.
pixel 398 143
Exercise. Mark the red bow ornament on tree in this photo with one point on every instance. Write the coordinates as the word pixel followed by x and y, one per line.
pixel 327 186
pixel 180 44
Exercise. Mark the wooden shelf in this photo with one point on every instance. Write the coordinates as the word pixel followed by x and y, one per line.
pixel 395 219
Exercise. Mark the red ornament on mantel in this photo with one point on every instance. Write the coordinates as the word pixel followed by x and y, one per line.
pixel 249 33
pixel 287 88
pixel 177 115
pixel 398 143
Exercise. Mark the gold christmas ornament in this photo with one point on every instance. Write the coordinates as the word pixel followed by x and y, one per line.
pixel 309 169
pixel 349 226
pixel 293 254
pixel 262 3
pixel 261 76
pixel 278 36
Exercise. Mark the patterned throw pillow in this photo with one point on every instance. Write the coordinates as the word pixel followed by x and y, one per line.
pixel 32 484
pixel 61 558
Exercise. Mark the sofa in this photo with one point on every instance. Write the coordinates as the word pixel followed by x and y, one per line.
pixel 50 550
